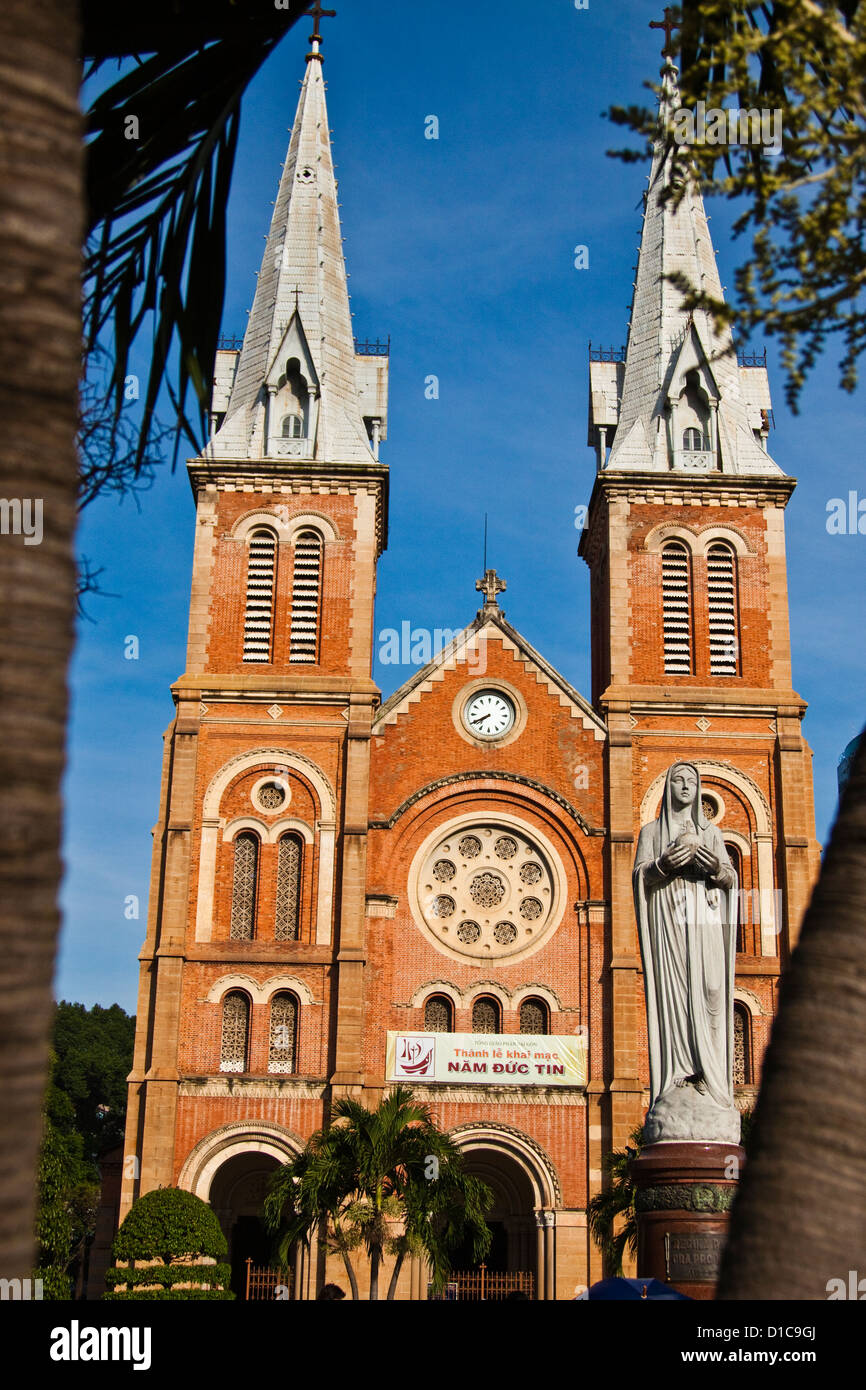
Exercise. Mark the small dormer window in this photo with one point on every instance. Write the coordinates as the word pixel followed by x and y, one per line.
pixel 293 427
pixel 692 439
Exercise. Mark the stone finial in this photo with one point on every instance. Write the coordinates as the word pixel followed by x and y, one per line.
pixel 490 586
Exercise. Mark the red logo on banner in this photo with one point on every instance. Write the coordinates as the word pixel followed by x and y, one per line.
pixel 416 1056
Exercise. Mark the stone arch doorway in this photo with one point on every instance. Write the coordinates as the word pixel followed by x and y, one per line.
pixel 237 1192
pixel 511 1218
pixel 229 1168
pixel 522 1216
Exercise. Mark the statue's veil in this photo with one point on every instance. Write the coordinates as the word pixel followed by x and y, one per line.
pixel 668 822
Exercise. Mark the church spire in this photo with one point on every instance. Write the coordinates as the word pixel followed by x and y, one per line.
pixel 678 400
pixel 295 389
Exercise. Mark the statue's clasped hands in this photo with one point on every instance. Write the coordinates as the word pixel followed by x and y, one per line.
pixel 678 855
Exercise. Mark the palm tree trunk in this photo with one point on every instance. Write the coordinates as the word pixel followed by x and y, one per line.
pixel 375 1261
pixel 350 1274
pixel 395 1275
pixel 800 1218
pixel 41 192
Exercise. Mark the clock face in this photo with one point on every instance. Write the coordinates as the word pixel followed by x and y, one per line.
pixel 488 714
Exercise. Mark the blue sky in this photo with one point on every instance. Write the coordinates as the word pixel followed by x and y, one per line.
pixel 462 249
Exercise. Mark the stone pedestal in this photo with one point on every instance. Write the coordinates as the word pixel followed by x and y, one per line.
pixel 683 1197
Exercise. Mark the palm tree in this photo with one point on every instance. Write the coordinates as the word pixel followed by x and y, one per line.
pixel 611 1213
pixel 372 1170
pixel 153 211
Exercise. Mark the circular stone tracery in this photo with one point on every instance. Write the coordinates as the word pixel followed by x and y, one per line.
pixel 501 891
pixel 443 870
pixel 270 796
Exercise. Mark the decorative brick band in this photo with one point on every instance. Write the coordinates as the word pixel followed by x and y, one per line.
pixel 458 777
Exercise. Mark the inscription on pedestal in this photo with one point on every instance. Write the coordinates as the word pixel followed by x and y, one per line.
pixel 693 1258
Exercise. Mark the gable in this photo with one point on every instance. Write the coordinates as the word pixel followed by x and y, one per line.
pixel 471 649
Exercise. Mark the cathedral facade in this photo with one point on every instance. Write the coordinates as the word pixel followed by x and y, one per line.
pixel 438 888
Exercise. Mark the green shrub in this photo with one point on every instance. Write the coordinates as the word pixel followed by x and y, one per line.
pixel 168 1275
pixel 166 1224
pixel 160 1295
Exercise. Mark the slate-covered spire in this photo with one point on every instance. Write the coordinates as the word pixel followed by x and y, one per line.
pixel 294 389
pixel 680 401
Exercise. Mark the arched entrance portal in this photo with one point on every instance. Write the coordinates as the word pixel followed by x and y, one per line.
pixel 230 1168
pixel 236 1195
pixel 511 1218
pixel 521 1218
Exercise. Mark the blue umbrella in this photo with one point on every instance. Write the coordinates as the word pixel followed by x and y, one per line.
pixel 625 1289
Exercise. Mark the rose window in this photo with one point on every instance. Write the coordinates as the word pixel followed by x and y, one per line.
pixel 487 890
pixel 502 891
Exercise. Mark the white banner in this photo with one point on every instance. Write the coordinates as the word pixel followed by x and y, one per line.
pixel 487 1059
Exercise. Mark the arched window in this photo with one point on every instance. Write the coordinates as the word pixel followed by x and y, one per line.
pixel 693 439
pixel 244 886
pixel 534 1016
pixel 288 903
pixel 736 859
pixel 261 585
pixel 722 594
pixel 438 1014
pixel 235 1032
pixel 282 1041
pixel 293 427
pixel 742 1046
pixel 306 595
pixel 485 1015
pixel 677 609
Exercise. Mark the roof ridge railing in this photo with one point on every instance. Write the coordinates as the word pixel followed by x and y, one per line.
pixel 373 348
pixel 752 358
pixel 606 354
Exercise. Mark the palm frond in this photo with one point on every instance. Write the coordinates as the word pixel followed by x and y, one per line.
pixel 156 246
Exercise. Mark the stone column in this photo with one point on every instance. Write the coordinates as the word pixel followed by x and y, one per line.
pixel 540 1267
pixel 549 1255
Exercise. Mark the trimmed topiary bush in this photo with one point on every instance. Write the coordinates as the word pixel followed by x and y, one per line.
pixel 171 1242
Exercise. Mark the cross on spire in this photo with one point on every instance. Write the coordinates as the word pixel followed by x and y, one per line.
pixel 490 586
pixel 317 14
pixel 669 27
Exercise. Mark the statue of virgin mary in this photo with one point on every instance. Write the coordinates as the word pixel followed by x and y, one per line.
pixel 685 901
